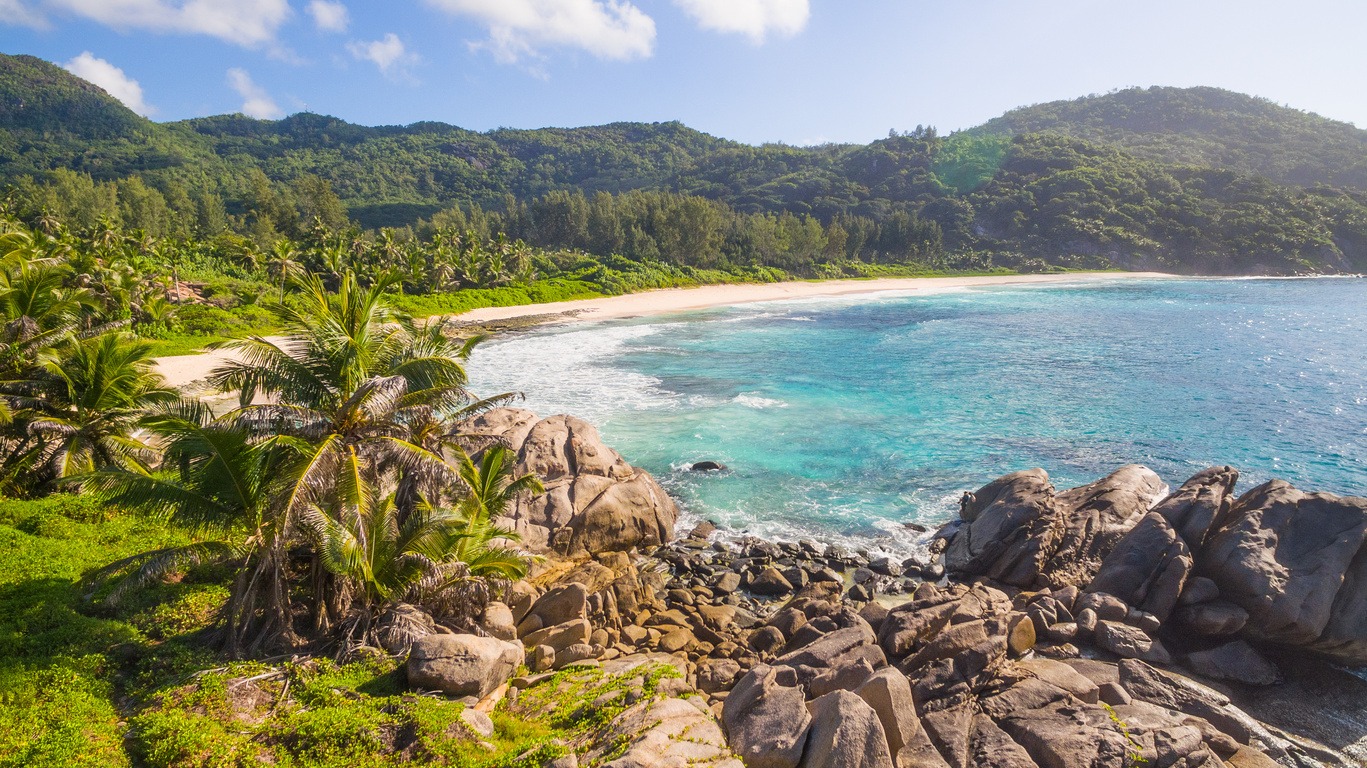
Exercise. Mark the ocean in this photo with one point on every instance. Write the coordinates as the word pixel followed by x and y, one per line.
pixel 844 419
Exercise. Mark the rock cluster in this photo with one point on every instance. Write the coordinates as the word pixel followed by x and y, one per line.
pixel 1068 633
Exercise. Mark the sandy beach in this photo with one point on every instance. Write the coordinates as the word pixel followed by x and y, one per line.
pixel 183 370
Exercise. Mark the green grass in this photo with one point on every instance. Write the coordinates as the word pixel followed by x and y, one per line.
pixel 82 684
pixel 62 663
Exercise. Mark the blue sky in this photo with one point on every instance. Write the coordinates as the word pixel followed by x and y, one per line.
pixel 799 71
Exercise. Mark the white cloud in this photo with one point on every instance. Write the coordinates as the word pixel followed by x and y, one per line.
pixel 329 17
pixel 112 79
pixel 249 23
pixel 15 12
pixel 255 101
pixel 753 18
pixel 387 53
pixel 608 29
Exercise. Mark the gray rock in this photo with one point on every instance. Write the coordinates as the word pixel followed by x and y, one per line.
pixel 1130 643
pixel 1199 589
pixel 1294 561
pixel 716 675
pixel 888 692
pixel 766 718
pixel 845 733
pixel 561 604
pixel 832 651
pixel 1236 661
pixel 663 733
pixel 594 501
pixel 1148 567
pixel 561 636
pixel 462 665
pixel 498 621
pixel 1213 619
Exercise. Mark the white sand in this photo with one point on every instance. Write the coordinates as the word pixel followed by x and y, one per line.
pixel 183 370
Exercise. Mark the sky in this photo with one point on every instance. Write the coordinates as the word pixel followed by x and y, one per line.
pixel 795 71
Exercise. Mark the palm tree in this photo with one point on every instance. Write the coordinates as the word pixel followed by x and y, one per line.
pixel 85 404
pixel 284 263
pixel 218 480
pixel 491 488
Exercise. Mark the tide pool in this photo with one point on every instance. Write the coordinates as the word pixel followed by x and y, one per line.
pixel 842 419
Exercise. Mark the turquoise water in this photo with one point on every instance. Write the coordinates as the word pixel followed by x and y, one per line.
pixel 844 418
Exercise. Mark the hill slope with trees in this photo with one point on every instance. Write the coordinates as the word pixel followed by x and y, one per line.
pixel 1190 180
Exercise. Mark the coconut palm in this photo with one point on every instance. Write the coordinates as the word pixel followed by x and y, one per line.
pixel 491 488
pixel 218 480
pixel 85 404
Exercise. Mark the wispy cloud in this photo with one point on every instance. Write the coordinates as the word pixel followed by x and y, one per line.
pixel 89 67
pixel 329 16
pixel 388 53
pixel 608 29
pixel 255 101
pixel 17 13
pixel 250 23
pixel 755 19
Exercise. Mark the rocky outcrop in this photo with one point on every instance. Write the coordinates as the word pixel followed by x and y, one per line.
pixel 594 501
pixel 1150 565
pixel 462 665
pixel 1016 530
pixel 1296 563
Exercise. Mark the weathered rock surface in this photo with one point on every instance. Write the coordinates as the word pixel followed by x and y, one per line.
pixel 845 733
pixel 595 501
pixel 1296 562
pixel 1018 531
pixel 462 665
pixel 766 718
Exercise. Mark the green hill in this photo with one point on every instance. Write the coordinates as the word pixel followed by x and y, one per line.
pixel 1192 179
pixel 1206 127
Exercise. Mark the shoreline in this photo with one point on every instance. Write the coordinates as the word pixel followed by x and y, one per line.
pixel 666 300
pixel 185 370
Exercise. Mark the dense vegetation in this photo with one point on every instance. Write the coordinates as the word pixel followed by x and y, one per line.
pixel 158 536
pixel 1193 180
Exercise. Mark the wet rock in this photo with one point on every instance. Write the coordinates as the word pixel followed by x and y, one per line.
pixel 708 466
pixel 462 665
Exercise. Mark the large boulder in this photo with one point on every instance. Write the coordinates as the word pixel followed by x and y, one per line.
pixel 462 665
pixel 1296 563
pixel 1009 528
pixel 1094 518
pixel 664 733
pixel 594 501
pixel 1017 531
pixel 766 718
pixel 1150 565
pixel 846 733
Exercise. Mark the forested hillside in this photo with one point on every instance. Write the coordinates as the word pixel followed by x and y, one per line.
pixel 1195 180
pixel 1206 127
